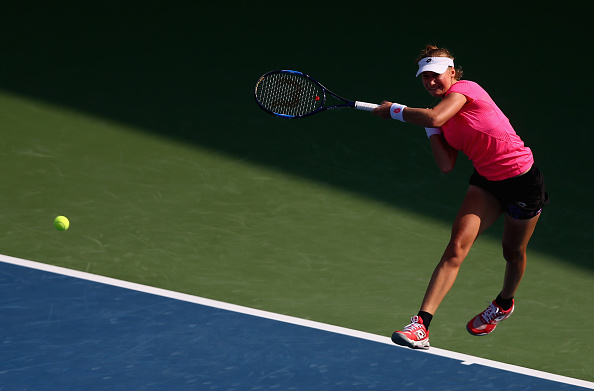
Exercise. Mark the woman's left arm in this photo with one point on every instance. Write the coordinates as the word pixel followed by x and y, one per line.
pixel 429 118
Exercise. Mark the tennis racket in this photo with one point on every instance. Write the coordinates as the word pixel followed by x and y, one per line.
pixel 293 94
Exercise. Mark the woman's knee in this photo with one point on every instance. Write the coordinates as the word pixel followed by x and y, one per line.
pixel 514 255
pixel 455 253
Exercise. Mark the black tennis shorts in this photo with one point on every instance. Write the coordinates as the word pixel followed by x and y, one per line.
pixel 521 197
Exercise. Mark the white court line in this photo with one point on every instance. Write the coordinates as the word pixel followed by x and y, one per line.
pixel 464 358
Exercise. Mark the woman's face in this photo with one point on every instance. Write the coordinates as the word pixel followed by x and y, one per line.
pixel 437 85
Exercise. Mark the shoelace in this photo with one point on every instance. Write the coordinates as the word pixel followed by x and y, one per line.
pixel 490 313
pixel 414 324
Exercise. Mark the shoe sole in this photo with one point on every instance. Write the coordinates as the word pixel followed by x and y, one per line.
pixel 401 340
pixel 478 335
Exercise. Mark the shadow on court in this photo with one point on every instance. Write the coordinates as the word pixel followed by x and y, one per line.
pixel 187 72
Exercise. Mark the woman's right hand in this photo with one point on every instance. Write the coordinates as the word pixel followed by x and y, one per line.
pixel 383 110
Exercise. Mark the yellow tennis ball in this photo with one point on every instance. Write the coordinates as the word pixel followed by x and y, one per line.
pixel 61 223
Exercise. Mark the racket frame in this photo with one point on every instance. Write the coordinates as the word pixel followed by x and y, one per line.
pixel 347 103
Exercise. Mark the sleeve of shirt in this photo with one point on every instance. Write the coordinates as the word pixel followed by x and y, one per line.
pixel 466 88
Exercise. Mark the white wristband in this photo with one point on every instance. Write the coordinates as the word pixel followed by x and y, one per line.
pixel 432 131
pixel 396 111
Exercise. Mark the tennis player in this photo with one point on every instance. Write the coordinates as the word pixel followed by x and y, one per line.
pixel 505 181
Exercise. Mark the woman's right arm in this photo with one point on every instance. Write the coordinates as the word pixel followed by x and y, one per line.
pixel 433 117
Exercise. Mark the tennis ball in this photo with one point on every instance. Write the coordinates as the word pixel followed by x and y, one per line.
pixel 61 223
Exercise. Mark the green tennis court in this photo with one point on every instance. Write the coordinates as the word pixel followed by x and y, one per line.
pixel 138 123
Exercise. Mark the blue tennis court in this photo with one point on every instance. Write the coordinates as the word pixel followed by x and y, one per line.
pixel 67 330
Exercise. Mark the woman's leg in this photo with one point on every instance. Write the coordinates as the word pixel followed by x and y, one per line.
pixel 516 234
pixel 479 211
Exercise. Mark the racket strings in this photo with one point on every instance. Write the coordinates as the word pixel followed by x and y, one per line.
pixel 289 94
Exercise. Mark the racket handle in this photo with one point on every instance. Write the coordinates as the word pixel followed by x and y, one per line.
pixel 365 106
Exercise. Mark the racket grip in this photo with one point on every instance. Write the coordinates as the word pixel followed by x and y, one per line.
pixel 365 106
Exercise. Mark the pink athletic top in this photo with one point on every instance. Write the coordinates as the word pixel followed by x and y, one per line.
pixel 483 133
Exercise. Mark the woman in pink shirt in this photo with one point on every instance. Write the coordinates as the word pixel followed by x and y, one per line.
pixel 505 181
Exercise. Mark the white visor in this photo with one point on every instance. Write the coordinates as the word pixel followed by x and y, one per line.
pixel 435 64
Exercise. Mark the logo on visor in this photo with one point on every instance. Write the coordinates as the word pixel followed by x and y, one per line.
pixel 428 60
